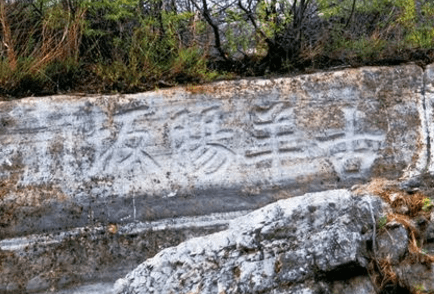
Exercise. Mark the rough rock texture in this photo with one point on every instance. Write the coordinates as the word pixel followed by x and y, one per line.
pixel 354 285
pixel 73 161
pixel 429 111
pixel 93 254
pixel 113 177
pixel 392 242
pixel 419 276
pixel 313 237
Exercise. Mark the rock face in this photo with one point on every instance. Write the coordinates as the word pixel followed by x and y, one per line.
pixel 223 147
pixel 276 249
pixel 429 111
pixel 119 178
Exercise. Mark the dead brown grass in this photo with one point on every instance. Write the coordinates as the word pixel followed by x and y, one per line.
pixel 382 273
pixel 55 48
pixel 405 220
pixel 376 187
pixel 405 208
pixel 7 37
pixel 389 275
pixel 398 199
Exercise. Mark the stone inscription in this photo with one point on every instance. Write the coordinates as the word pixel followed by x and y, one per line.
pixel 199 142
pixel 126 148
pixel 277 142
pixel 152 142
pixel 272 136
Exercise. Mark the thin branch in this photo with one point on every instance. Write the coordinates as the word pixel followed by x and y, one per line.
pixel 351 15
pixel 37 10
pixel 214 27
pixel 250 16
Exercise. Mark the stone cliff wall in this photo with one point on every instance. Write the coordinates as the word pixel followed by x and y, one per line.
pixel 101 172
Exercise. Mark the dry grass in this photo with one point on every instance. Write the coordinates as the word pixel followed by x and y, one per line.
pixel 405 208
pixel 54 48
pixel 7 37
pixel 375 187
pixel 41 49
pixel 401 202
pixel 389 275
pixel 381 273
pixel 405 221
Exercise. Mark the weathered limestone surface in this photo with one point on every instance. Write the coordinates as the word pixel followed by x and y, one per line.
pixel 429 113
pixel 324 242
pixel 276 249
pixel 93 254
pixel 73 161
pixel 100 173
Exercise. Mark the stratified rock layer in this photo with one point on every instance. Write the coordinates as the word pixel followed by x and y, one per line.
pixel 290 242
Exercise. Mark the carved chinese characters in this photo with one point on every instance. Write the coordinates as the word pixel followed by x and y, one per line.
pixel 199 142
pixel 304 133
pixel 137 147
pixel 277 142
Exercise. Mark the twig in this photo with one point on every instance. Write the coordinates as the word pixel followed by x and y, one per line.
pixel 351 14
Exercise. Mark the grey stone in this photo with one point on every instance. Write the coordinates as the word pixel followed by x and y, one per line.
pixel 411 185
pixel 309 287
pixel 12 287
pixel 225 146
pixel 428 105
pixel 418 276
pixel 289 242
pixel 392 243
pixel 429 233
pixel 70 164
pixel 99 288
pixel 37 284
pixel 64 281
pixel 356 285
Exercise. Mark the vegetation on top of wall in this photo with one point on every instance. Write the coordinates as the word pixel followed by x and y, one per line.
pixel 104 46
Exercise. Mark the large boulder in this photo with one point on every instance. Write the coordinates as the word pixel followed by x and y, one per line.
pixel 316 237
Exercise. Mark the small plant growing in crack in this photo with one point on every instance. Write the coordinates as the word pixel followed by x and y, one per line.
pixel 419 289
pixel 427 204
pixel 382 221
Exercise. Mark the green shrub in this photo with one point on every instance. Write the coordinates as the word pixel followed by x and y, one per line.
pixel 130 45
